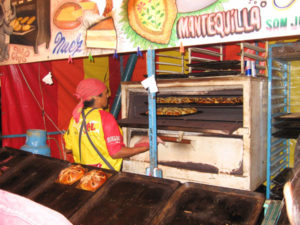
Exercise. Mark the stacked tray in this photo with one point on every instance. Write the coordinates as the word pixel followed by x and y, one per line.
pixel 126 199
pixel 194 204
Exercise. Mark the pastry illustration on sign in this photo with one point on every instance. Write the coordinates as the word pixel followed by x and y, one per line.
pixel 102 35
pixel 69 15
pixel 153 20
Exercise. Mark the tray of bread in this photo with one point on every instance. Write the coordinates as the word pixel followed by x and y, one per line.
pixel 73 185
pixel 174 111
pixel 200 100
pixel 127 199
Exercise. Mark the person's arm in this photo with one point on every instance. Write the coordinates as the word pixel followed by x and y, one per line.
pixel 126 152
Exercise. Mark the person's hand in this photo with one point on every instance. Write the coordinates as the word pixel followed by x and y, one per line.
pixel 144 142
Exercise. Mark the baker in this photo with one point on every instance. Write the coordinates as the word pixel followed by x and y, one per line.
pixel 93 135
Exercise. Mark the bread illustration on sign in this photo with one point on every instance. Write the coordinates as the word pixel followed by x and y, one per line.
pixel 102 35
pixel 22 24
pixel 153 20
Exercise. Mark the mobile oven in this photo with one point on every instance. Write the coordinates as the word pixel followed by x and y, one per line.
pixel 221 142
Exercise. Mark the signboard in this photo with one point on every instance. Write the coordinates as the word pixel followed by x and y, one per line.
pixel 42 30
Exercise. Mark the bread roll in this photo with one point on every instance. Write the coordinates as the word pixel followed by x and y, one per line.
pixel 92 180
pixel 71 174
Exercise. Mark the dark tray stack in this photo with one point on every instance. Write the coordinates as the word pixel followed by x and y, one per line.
pixel 288 126
pixel 207 69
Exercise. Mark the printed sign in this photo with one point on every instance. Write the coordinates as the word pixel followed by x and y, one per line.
pixel 42 30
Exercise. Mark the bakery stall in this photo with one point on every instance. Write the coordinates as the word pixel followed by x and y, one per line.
pixel 213 121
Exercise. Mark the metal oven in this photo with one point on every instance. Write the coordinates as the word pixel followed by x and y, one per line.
pixel 222 144
pixel 33 23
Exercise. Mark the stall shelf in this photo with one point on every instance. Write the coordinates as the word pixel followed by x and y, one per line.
pixel 279 92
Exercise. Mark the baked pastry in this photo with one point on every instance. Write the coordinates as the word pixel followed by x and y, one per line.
pixel 174 100
pixel 71 174
pixel 153 20
pixel 102 35
pixel 199 100
pixel 92 180
pixel 175 111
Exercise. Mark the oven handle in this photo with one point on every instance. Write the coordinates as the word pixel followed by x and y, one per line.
pixel 174 139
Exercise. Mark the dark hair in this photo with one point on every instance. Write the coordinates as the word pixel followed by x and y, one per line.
pixel 90 103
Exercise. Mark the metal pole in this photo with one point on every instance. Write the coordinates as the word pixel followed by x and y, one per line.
pixel 24 135
pixel 153 170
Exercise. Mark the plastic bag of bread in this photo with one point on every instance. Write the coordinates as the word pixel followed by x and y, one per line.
pixel 71 174
pixel 92 180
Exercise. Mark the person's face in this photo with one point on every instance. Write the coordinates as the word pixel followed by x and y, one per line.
pixel 102 101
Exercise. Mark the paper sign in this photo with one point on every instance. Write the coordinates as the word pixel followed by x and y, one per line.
pixel 150 83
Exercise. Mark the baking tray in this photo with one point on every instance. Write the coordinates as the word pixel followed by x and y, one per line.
pixel 198 204
pixel 127 199
pixel 31 174
pixel 214 73
pixel 228 64
pixel 66 199
pixel 10 157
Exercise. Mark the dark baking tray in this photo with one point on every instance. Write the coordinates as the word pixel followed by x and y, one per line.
pixel 214 73
pixel 66 199
pixel 228 64
pixel 127 199
pixel 205 204
pixel 10 157
pixel 31 174
pixel 169 76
